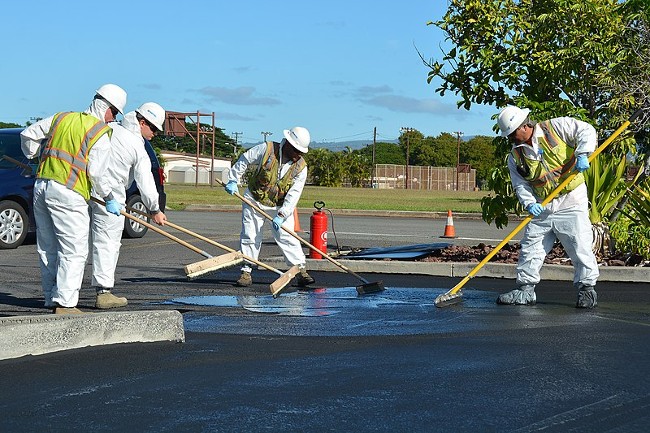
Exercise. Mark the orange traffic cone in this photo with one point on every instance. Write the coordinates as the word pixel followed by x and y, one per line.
pixel 296 221
pixel 450 231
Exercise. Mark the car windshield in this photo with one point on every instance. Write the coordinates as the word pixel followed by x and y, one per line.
pixel 10 146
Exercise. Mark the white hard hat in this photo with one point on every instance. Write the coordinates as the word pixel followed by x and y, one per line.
pixel 153 112
pixel 298 137
pixel 114 94
pixel 511 118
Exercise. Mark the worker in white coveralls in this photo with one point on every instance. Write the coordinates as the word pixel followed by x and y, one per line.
pixel 543 155
pixel 129 162
pixel 277 175
pixel 74 158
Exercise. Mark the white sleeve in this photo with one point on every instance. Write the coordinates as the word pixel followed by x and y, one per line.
pixel 145 181
pixel 98 160
pixel 577 134
pixel 251 156
pixel 522 187
pixel 33 135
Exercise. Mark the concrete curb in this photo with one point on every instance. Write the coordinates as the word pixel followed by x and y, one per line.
pixel 36 335
pixel 461 270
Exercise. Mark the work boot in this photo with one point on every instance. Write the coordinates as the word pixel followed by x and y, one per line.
pixel 105 300
pixel 304 279
pixel 66 310
pixel 523 295
pixel 245 279
pixel 587 297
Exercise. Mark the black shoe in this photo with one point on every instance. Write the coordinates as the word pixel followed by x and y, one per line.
pixel 304 279
pixel 587 297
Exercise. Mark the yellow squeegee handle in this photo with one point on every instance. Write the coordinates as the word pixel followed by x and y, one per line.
pixel 546 201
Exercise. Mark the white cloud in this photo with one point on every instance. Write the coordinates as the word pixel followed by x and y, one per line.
pixel 236 96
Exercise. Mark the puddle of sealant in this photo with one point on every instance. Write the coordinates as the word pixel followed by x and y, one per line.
pixel 395 311
pixel 330 301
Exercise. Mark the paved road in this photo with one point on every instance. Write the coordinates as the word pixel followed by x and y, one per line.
pixel 364 231
pixel 326 360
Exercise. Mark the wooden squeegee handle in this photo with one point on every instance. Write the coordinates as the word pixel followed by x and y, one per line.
pixel 208 240
pixel 295 235
pixel 546 201
pixel 157 230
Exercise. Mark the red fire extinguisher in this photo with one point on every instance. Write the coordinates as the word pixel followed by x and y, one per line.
pixel 318 230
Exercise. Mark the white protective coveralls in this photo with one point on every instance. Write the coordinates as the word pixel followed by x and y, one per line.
pixel 61 214
pixel 566 217
pixel 252 222
pixel 129 162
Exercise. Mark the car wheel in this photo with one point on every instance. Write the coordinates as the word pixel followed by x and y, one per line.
pixel 14 224
pixel 133 229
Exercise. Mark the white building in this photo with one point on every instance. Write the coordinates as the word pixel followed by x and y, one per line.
pixel 182 168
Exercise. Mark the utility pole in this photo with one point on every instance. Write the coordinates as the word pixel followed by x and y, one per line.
pixel 265 134
pixel 458 134
pixel 374 145
pixel 237 134
pixel 408 151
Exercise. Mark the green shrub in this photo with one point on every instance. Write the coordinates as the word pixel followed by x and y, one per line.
pixel 631 237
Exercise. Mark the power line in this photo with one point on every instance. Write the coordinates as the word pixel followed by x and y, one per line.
pixel 348 136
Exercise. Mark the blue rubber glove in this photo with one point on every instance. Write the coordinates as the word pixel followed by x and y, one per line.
pixel 535 209
pixel 231 187
pixel 277 223
pixel 113 206
pixel 582 163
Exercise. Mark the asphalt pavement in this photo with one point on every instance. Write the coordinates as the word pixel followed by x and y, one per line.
pixel 204 355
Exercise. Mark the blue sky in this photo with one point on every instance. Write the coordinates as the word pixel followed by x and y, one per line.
pixel 339 68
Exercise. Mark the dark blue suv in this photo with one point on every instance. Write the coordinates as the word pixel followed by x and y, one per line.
pixel 16 191
pixel 17 187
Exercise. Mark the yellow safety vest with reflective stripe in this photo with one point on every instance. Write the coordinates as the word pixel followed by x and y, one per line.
pixel 65 157
pixel 558 159
pixel 264 182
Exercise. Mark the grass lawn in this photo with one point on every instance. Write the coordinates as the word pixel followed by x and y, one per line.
pixel 181 195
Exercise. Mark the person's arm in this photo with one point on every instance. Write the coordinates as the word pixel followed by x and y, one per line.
pixel 99 158
pixel 523 190
pixel 251 156
pixel 32 137
pixel 577 134
pixel 144 179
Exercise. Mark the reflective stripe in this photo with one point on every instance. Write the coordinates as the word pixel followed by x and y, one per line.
pixel 65 157
pixel 557 161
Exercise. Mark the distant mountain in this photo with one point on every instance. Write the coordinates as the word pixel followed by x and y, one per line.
pixel 337 146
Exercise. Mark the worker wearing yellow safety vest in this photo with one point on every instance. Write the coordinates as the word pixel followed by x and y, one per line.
pixel 543 155
pixel 74 150
pixel 277 176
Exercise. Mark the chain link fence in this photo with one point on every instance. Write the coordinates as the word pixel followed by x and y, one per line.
pixel 394 176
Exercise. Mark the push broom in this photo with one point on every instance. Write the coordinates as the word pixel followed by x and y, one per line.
pixel 216 263
pixel 366 287
pixel 203 267
pixel 454 295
